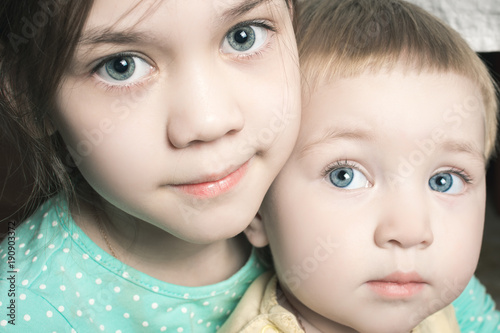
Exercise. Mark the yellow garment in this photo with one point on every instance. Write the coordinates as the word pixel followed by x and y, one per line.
pixel 259 312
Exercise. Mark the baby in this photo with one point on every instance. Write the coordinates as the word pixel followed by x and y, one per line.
pixel 375 222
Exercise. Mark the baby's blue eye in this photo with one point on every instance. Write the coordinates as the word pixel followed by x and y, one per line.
pixel 123 69
pixel 244 38
pixel 446 182
pixel 348 178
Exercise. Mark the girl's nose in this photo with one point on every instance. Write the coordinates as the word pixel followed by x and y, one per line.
pixel 404 222
pixel 205 105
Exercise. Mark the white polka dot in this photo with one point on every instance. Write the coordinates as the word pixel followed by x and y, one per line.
pixel 43 287
pixel 136 298
pixel 109 307
pixel 98 257
pixel 91 301
pixel 126 315
pixel 45 215
pixel 66 250
pixel 22 297
pixel 206 303
pixel 65 235
pixel 79 275
pixel 118 331
pixel 169 309
pixel 102 328
pixel 85 256
pixel 98 281
pixel 208 324
pixel 154 306
pixel 180 330
pixel 25 282
pixel 125 275
pixel 79 313
pixel 54 223
pixel 32 227
pixel 3 323
pixel 215 308
pixel 44 268
pixel 77 294
pixel 145 324
pixel 40 236
pixel 73 330
pixel 49 314
pixel 117 289
pixel 163 329
pixel 63 269
pixel 184 310
pixel 212 293
pixel 200 321
pixel 27 252
pixel 34 259
pixel 22 245
pixel 186 296
pixel 61 308
pixel 192 315
pixel 27 317
pixel 472 318
pixel 480 319
pixel 156 289
pixel 76 236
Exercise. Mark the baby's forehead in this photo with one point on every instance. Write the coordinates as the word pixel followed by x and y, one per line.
pixel 414 103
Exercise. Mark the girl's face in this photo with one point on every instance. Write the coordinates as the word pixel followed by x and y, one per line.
pixel 181 113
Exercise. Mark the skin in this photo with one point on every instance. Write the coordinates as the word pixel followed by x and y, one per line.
pixel 195 110
pixel 395 131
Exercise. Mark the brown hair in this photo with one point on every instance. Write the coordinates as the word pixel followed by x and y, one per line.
pixel 37 42
pixel 344 38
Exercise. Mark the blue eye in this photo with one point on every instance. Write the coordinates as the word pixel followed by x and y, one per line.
pixel 446 182
pixel 348 178
pixel 123 69
pixel 244 38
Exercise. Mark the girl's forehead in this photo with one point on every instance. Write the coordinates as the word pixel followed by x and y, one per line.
pixel 127 12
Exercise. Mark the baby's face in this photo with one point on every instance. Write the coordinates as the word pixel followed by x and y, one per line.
pixel 376 220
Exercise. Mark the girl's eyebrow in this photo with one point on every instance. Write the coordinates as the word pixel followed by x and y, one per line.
pixel 242 8
pixel 107 36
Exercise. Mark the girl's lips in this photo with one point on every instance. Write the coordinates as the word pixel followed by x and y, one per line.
pixel 210 189
pixel 398 285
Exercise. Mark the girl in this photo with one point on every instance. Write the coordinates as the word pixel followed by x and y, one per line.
pixel 155 128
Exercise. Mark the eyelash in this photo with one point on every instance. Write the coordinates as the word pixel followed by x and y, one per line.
pixel 348 164
pixel 115 87
pixel 338 165
pixel 459 172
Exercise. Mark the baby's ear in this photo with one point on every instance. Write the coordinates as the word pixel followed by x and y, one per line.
pixel 256 233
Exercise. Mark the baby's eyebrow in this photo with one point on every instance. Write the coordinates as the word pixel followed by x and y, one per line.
pixel 334 134
pixel 463 147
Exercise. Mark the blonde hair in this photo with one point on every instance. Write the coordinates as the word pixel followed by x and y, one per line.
pixel 345 38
